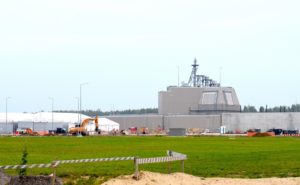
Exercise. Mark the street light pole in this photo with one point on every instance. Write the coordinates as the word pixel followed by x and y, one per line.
pixel 77 109
pixel 6 105
pixel 80 100
pixel 52 99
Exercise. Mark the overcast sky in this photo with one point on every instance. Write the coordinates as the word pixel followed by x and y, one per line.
pixel 128 50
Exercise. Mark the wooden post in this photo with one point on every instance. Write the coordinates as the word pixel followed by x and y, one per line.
pixel 182 166
pixel 54 165
pixel 136 168
pixel 169 167
pixel 169 153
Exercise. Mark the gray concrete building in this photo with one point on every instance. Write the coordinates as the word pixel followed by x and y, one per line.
pixel 263 121
pixel 197 100
pixel 148 121
pixel 201 95
pixel 233 122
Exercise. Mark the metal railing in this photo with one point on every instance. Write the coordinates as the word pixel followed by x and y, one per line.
pixel 171 156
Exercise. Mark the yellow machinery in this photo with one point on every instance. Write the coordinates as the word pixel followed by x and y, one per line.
pixel 81 129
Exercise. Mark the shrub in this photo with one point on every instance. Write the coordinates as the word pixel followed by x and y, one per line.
pixel 22 172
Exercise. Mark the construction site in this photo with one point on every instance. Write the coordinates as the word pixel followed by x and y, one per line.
pixel 46 124
pixel 200 106
pixel 204 106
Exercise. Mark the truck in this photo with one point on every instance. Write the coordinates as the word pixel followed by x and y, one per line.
pixel 58 131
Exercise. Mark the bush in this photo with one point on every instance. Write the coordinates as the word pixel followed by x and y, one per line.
pixel 22 172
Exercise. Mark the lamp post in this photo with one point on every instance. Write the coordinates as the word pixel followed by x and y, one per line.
pixel 6 105
pixel 52 99
pixel 78 112
pixel 80 99
pixel 78 109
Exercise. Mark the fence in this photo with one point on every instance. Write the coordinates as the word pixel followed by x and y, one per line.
pixel 171 156
pixel 293 135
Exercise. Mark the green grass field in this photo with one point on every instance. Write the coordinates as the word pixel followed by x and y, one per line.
pixel 241 157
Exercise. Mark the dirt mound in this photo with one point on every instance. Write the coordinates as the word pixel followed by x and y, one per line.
pixel 150 178
pixel 33 180
pixel 4 179
pixel 27 180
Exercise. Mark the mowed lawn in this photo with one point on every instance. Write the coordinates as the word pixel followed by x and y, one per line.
pixel 207 156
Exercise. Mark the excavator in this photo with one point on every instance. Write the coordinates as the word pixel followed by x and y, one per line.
pixel 81 129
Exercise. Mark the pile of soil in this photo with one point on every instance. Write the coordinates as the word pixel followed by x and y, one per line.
pixel 4 179
pixel 151 178
pixel 33 180
pixel 27 180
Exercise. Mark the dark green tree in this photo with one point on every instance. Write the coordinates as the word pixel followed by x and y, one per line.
pixel 249 108
pixel 261 109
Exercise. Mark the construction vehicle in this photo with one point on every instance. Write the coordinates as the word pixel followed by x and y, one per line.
pixel 82 128
pixel 276 131
pixel 258 133
pixel 58 131
pixel 26 132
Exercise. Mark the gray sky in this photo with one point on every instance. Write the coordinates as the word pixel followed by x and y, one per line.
pixel 129 50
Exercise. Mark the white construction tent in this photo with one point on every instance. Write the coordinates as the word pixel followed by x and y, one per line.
pixel 44 121
pixel 108 125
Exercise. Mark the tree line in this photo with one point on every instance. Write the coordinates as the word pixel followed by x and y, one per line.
pixel 98 112
pixel 247 108
pixel 282 108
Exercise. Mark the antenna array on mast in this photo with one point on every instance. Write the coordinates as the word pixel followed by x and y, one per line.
pixel 200 80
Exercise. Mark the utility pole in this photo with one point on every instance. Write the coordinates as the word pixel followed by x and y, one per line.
pixel 178 77
pixel 6 105
pixel 221 68
pixel 52 99
pixel 80 99
pixel 78 109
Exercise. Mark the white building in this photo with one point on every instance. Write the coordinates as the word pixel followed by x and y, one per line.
pixel 44 121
